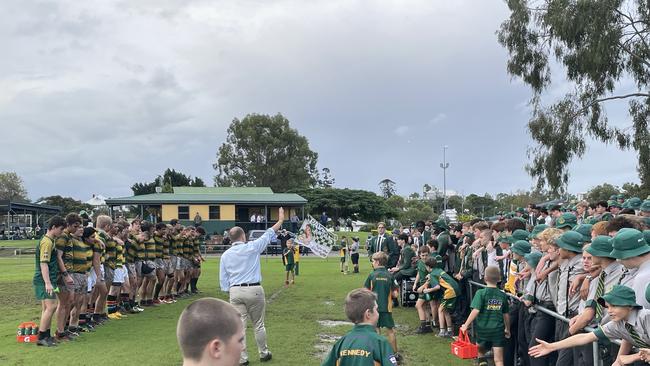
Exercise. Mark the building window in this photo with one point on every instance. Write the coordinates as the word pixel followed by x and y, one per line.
pixel 215 213
pixel 183 212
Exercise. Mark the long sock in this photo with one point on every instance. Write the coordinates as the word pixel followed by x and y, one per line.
pixel 193 284
pixel 178 288
pixel 156 290
pixel 82 319
pixel 111 304
pixel 42 335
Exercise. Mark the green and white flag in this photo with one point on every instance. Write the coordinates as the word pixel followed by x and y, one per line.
pixel 315 236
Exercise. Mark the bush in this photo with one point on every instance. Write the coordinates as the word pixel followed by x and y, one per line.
pixel 368 227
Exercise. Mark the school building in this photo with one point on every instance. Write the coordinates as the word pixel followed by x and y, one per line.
pixel 220 208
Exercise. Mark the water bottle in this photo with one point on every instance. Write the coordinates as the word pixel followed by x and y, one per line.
pixel 21 330
pixel 35 331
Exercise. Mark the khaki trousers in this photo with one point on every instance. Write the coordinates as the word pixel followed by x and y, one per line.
pixel 251 303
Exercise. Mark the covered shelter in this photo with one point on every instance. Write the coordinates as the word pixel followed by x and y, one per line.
pixel 20 218
pixel 220 208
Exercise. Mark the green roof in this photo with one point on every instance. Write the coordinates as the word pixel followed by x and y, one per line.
pixel 223 190
pixel 210 198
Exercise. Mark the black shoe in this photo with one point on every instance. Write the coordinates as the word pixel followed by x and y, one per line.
pixel 46 342
pixel 266 357
pixel 244 363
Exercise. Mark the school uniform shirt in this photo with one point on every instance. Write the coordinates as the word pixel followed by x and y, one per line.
pixel 287 256
pixel 569 270
pixel 362 346
pixel 641 284
pixel 448 285
pixel 553 279
pixel 406 259
pixel 491 303
pixel 639 320
pixel 536 292
pixel 354 248
pixel 627 276
pixel 381 282
pixel 65 244
pixel 610 277
pixel 465 268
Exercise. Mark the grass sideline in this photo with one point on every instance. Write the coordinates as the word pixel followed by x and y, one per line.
pixel 18 243
pixel 291 319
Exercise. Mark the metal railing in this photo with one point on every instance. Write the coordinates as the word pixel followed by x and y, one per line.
pixel 595 347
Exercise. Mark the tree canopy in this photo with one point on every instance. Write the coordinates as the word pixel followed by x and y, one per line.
pixel 602 47
pixel 355 203
pixel 12 187
pixel 170 178
pixel 264 151
pixel 67 204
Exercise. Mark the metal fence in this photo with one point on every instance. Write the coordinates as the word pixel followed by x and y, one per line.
pixel 595 348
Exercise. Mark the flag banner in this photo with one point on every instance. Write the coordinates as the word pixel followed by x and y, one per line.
pixel 315 236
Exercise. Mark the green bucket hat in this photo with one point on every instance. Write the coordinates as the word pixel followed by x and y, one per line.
pixel 646 236
pixel 566 220
pixel 518 234
pixel 503 238
pixel 645 206
pixel 614 204
pixel 629 243
pixel 601 246
pixel 441 223
pixel 620 196
pixel 619 295
pixel 626 204
pixel 520 210
pixel 612 197
pixel 521 247
pixel 585 231
pixel 634 203
pixel 470 236
pixel 571 241
pixel 536 230
pixel 533 258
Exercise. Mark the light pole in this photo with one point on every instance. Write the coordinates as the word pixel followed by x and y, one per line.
pixel 444 165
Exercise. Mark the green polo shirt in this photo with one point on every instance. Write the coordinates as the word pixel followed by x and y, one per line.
pixel 381 282
pixel 491 303
pixel 362 346
pixel 446 282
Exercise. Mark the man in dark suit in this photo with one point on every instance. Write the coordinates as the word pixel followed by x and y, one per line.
pixel 380 242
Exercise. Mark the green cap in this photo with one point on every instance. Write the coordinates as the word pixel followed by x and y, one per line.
pixel 533 258
pixel 629 243
pixel 601 246
pixel 585 231
pixel 469 235
pixel 520 210
pixel 566 220
pixel 645 206
pixel 521 247
pixel 620 196
pixel 612 197
pixel 646 236
pixel 619 295
pixel 536 230
pixel 571 241
pixel 634 203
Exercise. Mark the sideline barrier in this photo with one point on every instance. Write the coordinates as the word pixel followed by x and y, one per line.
pixel 596 352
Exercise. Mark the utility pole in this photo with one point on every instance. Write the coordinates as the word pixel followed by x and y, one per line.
pixel 444 165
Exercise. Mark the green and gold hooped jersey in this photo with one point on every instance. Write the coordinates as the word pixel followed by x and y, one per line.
pixel 45 253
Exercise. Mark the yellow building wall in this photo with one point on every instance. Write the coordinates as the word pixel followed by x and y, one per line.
pixel 203 210
pixel 227 212
pixel 169 212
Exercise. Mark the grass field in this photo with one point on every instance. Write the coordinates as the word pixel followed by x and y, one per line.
pixel 148 338
pixel 18 243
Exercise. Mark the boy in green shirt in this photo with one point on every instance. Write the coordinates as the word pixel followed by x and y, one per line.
pixel 288 261
pixel 491 312
pixel 45 274
pixel 362 346
pixel 418 286
pixel 381 282
pixel 439 280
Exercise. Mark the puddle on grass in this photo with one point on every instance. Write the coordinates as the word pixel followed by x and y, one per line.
pixel 324 345
pixel 333 323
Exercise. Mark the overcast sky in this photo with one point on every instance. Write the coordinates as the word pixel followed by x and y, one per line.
pixel 97 95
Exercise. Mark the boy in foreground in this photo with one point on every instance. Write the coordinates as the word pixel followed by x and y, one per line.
pixel 490 310
pixel 362 345
pixel 381 282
